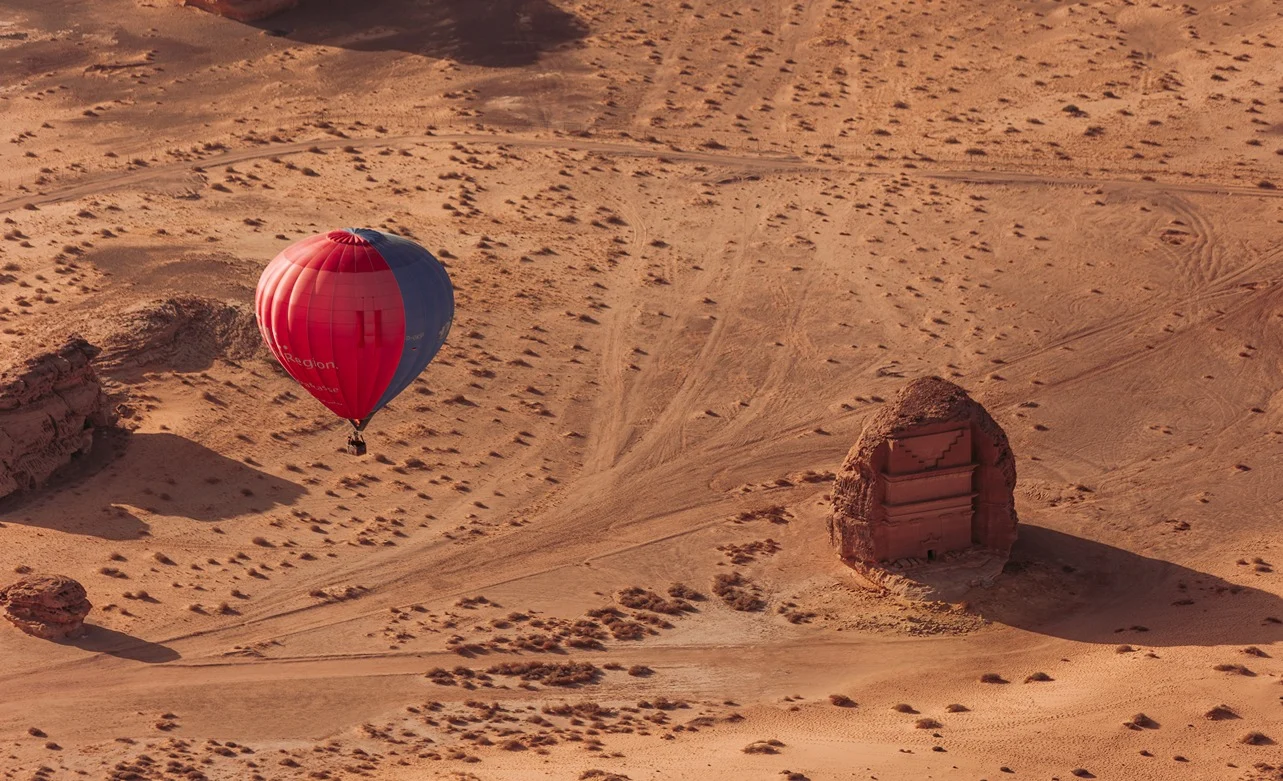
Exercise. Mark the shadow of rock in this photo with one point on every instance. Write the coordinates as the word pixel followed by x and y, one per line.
pixel 490 33
pixel 132 475
pixel 1079 589
pixel 100 639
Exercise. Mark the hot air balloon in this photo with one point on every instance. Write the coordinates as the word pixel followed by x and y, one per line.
pixel 354 316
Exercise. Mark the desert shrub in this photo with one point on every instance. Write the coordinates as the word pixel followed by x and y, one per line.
pixel 627 630
pixel 440 676
pixel 683 591
pixel 738 592
pixel 763 747
pixel 549 673
pixel 642 599
pixel 1220 713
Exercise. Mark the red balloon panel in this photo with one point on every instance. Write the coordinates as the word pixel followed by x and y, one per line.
pixel 333 315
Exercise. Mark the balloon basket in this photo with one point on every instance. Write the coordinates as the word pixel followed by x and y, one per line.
pixel 356 444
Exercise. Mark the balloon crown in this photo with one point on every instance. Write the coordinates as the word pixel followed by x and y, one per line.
pixel 346 237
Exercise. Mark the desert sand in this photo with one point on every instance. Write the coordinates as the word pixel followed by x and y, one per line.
pixel 696 245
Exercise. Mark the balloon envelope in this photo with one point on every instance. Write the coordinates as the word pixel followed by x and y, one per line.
pixel 354 316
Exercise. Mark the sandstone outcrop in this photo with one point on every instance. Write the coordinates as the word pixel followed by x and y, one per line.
pixel 182 333
pixel 242 10
pixel 932 474
pixel 50 405
pixel 49 606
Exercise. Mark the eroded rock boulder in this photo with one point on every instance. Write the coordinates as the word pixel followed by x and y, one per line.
pixel 181 333
pixel 50 405
pixel 242 10
pixel 49 606
pixel 931 475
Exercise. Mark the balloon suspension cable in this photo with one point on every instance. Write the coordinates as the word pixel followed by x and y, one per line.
pixel 356 442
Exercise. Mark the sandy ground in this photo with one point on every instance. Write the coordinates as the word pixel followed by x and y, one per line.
pixel 695 244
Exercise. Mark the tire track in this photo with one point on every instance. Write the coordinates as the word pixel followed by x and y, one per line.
pixel 757 163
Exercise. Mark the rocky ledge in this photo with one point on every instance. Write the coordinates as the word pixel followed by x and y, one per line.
pixel 50 405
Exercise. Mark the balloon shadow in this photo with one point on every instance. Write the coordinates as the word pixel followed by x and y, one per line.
pixel 490 33
pixel 1079 589
pixel 100 639
pixel 128 475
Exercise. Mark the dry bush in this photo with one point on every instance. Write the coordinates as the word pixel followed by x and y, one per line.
pixel 992 678
pixel 592 710
pixel 683 591
pixel 640 671
pixel 748 552
pixel 639 598
pixel 903 708
pixel 738 592
pixel 583 633
pixel 1220 713
pixel 927 723
pixel 440 676
pixel 1237 669
pixel 774 514
pixel 1039 676
pixel 549 673
pixel 1256 739
pixel 956 708
pixel 841 700
pixel 627 630
pixel 797 616
pixel 536 643
pixel 763 747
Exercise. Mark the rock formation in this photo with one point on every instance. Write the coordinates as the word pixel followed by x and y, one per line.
pixel 50 405
pixel 49 606
pixel 242 10
pixel 184 333
pixel 931 474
